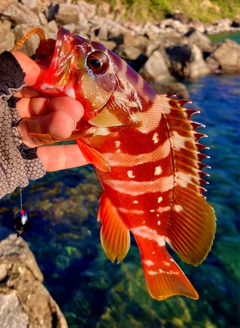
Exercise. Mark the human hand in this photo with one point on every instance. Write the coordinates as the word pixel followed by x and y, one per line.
pixel 55 116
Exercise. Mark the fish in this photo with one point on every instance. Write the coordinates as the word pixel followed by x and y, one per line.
pixel 147 156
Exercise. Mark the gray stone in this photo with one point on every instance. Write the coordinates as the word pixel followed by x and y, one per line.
pixel 178 89
pixel 67 14
pixel 20 14
pixel 32 43
pixel 197 66
pixel 201 40
pixel 11 312
pixel 5 4
pixel 156 66
pixel 7 40
pixel 227 54
pixel 88 10
pixel 24 301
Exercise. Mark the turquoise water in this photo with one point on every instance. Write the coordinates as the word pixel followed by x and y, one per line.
pixel 235 36
pixel 92 291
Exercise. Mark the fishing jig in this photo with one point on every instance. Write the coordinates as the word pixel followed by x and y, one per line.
pixel 21 219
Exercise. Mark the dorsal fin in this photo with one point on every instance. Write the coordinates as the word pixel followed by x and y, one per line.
pixel 192 226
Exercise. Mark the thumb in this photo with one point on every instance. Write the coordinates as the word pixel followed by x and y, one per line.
pixel 33 72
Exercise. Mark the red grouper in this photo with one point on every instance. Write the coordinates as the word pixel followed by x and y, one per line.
pixel 146 154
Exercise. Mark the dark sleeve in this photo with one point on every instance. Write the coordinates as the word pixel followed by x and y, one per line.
pixel 18 163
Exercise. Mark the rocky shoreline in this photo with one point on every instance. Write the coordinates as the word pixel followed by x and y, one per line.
pixel 175 48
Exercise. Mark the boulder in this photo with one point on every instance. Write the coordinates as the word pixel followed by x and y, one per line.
pixel 202 41
pixel 20 14
pixel 7 38
pixel 24 301
pixel 67 14
pixel 156 67
pixel 178 60
pixel 178 89
pixel 227 54
pixel 197 65
pixel 5 4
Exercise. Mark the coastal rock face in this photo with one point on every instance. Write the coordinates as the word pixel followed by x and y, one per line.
pixel 164 42
pixel 24 301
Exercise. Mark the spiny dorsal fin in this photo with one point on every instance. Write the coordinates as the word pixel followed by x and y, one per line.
pixel 192 227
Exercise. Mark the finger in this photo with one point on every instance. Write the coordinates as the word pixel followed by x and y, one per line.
pixel 57 124
pixel 55 158
pixel 28 107
pixel 33 72
pixel 27 92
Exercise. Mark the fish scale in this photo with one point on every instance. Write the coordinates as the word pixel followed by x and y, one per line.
pixel 146 153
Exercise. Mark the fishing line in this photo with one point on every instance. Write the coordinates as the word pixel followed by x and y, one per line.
pixel 21 219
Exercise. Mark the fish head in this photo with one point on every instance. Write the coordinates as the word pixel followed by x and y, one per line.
pixel 87 71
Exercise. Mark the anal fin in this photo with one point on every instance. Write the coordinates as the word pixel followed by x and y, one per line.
pixel 115 236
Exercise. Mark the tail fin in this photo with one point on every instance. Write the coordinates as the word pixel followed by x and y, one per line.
pixel 163 276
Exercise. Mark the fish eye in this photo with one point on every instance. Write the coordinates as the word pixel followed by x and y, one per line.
pixel 97 62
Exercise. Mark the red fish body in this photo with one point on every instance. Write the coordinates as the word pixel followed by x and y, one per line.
pixel 146 155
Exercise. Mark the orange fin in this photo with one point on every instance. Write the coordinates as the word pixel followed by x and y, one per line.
pixel 192 227
pixel 94 157
pixel 115 236
pixel 163 276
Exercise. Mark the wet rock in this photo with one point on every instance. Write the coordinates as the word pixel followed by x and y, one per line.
pixel 24 301
pixel 156 67
pixel 227 54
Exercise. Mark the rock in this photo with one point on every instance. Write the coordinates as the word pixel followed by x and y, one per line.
pixel 197 66
pixel 227 54
pixel 181 17
pixel 156 67
pixel 5 4
pixel 24 301
pixel 20 14
pixel 87 9
pixel 11 312
pixel 6 43
pixel 198 38
pixel 177 89
pixel 179 59
pixel 31 44
pixel 128 52
pixel 236 23
pixel 67 14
